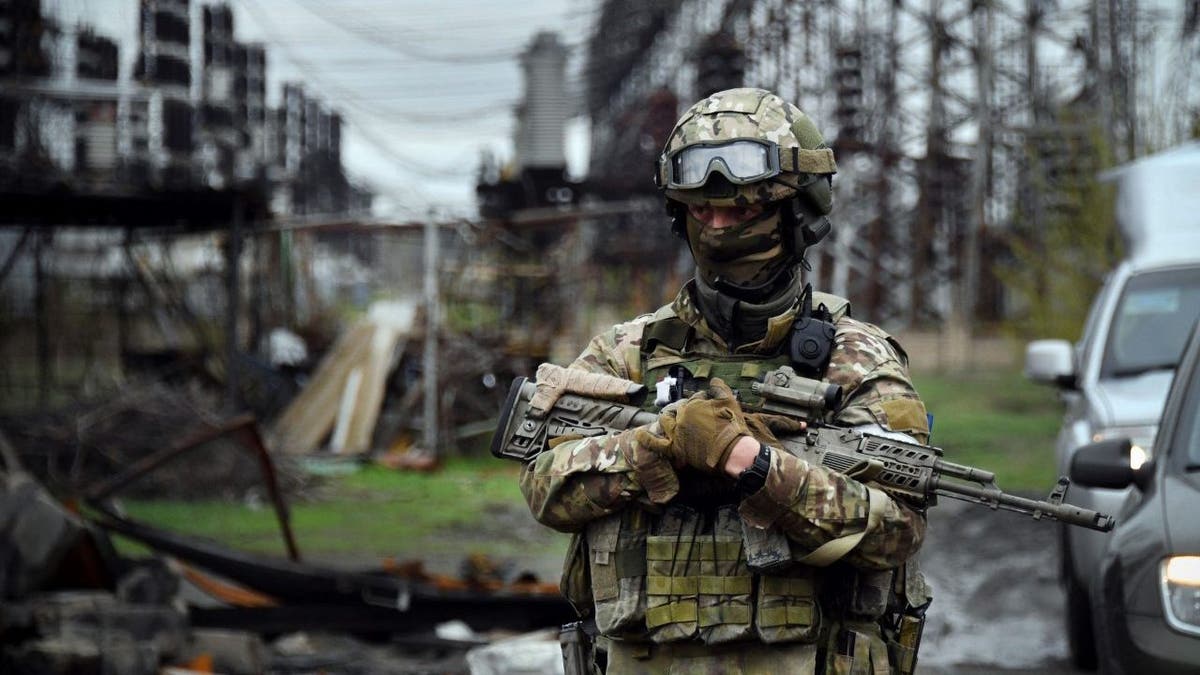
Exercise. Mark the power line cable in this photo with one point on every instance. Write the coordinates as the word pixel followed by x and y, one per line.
pixel 441 119
pixel 370 106
pixel 518 25
pixel 357 101
pixel 308 69
pixel 387 41
pixel 399 46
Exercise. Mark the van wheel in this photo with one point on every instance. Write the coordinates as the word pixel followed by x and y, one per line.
pixel 1081 636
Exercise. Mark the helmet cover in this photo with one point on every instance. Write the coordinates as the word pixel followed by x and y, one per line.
pixel 753 114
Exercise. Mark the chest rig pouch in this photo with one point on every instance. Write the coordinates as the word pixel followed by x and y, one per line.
pixel 616 561
pixel 808 348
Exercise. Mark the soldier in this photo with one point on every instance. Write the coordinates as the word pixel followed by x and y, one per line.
pixel 662 515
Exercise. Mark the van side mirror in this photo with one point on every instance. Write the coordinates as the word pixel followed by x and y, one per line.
pixel 1051 362
pixel 1105 464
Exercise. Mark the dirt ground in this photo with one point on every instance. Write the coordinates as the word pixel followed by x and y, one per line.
pixel 997 605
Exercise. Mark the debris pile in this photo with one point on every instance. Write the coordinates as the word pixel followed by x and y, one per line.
pixel 365 394
pixel 71 603
pixel 89 441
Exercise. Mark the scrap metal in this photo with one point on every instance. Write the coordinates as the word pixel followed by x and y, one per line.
pixel 244 429
pixel 316 597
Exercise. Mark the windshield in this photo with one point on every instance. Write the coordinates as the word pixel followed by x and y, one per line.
pixel 1188 435
pixel 1151 324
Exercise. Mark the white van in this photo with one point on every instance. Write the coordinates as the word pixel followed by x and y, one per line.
pixel 1114 381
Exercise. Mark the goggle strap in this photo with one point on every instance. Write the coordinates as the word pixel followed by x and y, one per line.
pixel 801 160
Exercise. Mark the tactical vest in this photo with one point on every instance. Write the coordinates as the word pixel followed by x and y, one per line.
pixel 682 575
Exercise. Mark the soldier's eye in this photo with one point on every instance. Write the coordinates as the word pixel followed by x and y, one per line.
pixel 748 212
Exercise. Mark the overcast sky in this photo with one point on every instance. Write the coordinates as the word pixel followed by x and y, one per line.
pixel 424 87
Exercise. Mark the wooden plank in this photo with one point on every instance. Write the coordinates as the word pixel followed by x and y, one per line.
pixel 310 416
pixel 346 410
pixel 393 322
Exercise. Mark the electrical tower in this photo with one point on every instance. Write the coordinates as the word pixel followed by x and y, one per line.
pixel 956 123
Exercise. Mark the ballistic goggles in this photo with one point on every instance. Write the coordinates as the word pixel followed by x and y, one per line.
pixel 741 162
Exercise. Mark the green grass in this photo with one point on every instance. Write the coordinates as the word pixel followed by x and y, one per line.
pixel 996 420
pixel 992 420
pixel 373 513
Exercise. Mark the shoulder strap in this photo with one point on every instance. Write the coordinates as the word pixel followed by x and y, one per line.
pixel 833 550
pixel 834 304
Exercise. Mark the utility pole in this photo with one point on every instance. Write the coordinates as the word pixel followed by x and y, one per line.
pixel 233 255
pixel 969 283
pixel 1033 207
pixel 429 416
pixel 931 208
pixel 40 295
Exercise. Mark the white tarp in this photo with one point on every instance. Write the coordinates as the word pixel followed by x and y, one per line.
pixel 1158 202
pixel 530 654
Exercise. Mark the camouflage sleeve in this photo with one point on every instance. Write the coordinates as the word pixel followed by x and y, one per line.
pixel 872 369
pixel 615 352
pixel 580 480
pixel 813 505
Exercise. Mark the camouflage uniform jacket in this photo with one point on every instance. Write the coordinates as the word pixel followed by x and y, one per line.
pixel 581 481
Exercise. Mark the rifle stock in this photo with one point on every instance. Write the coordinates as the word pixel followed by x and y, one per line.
pixel 522 436
pixel 914 472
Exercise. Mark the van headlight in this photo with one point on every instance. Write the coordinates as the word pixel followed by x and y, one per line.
pixel 1180 582
pixel 1142 436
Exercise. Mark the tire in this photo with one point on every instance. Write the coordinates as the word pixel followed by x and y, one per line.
pixel 1081 635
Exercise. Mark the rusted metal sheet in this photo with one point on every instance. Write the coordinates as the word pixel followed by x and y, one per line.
pixel 243 428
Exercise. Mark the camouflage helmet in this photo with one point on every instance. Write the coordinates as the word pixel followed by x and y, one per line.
pixel 794 158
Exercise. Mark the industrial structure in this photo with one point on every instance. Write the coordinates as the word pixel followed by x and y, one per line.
pixel 958 126
pixel 537 175
pixel 124 183
pixel 528 207
pixel 960 129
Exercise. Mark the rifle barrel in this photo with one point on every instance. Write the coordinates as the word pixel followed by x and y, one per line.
pixel 998 499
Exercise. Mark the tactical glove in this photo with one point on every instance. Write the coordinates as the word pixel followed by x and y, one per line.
pixel 652 470
pixel 768 428
pixel 699 432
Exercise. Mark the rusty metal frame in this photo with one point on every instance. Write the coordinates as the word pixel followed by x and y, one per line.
pixel 314 597
pixel 243 429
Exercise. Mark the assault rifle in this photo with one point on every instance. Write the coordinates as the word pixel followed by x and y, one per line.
pixel 915 472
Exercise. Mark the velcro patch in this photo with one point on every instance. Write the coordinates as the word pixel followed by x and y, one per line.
pixel 906 415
